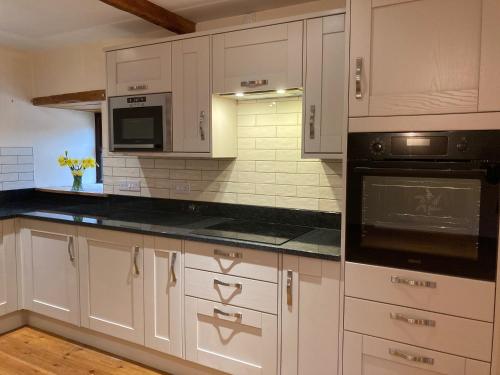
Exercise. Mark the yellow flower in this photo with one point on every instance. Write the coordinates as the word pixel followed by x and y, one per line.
pixel 62 161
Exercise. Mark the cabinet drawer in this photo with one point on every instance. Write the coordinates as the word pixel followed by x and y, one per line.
pixel 463 337
pixel 252 294
pixel 254 264
pixel 446 295
pixel 245 344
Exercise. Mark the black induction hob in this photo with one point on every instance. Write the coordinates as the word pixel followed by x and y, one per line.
pixel 268 233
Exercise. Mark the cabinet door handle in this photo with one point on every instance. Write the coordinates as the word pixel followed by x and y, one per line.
pixel 71 249
pixel 202 125
pixel 137 87
pixel 289 285
pixel 224 254
pixel 255 83
pixel 358 75
pixel 236 315
pixel 172 267
pixel 416 283
pixel 135 255
pixel 413 321
pixel 238 286
pixel 411 357
pixel 312 120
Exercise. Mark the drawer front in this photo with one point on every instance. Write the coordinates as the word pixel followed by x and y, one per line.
pixel 253 264
pixel 246 344
pixel 237 291
pixel 463 337
pixel 445 294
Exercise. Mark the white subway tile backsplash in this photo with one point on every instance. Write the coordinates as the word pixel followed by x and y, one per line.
pixel 16 168
pixel 8 160
pixel 5 151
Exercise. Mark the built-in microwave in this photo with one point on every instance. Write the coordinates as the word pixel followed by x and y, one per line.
pixel 141 123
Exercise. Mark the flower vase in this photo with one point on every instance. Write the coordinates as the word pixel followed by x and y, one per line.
pixel 77 183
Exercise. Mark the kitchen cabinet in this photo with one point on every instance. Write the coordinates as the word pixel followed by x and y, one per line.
pixel 8 276
pixel 420 57
pixel 325 87
pixel 50 270
pixel 139 70
pixel 366 355
pixel 111 283
pixel 191 94
pixel 163 295
pixel 257 59
pixel 310 316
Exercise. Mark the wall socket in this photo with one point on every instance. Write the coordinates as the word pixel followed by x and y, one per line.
pixel 130 186
pixel 182 187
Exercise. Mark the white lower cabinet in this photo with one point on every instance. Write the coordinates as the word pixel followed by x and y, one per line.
pixel 163 286
pixel 310 316
pixel 231 339
pixel 366 355
pixel 8 276
pixel 111 283
pixel 50 270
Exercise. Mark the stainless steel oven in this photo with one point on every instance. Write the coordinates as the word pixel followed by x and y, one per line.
pixel 424 201
pixel 141 123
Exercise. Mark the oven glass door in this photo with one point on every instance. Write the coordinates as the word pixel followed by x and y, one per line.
pixel 138 128
pixel 443 221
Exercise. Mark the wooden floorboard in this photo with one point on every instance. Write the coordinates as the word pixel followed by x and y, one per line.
pixel 29 351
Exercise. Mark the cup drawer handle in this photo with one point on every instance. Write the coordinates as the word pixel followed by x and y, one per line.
pixel 238 286
pixel 416 283
pixel 411 357
pixel 413 321
pixel 236 315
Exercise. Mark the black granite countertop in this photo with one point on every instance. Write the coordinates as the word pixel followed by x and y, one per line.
pixel 178 220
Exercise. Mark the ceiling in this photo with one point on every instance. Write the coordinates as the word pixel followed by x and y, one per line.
pixel 44 23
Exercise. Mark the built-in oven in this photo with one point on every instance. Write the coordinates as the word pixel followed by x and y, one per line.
pixel 141 123
pixel 424 201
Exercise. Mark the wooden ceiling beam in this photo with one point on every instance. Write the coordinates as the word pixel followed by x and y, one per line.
pixel 74 97
pixel 155 14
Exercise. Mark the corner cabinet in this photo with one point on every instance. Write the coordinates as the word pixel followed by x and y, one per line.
pixel 324 112
pixel 49 254
pixel 310 316
pixel 423 57
pixel 111 283
pixel 8 275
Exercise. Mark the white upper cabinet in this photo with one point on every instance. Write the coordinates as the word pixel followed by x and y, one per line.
pixel 263 58
pixel 191 94
pixel 139 70
pixel 8 282
pixel 111 283
pixel 50 270
pixel 413 57
pixel 325 86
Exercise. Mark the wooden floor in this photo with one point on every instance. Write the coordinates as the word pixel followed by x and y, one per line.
pixel 29 351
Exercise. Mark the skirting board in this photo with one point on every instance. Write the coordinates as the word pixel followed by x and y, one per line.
pixel 105 343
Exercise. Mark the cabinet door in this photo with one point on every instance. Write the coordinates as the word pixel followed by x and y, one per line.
pixel 163 284
pixel 8 282
pixel 231 339
pixel 324 114
pixel 139 70
pixel 414 57
pixel 50 270
pixel 263 58
pixel 111 284
pixel 191 94
pixel 310 316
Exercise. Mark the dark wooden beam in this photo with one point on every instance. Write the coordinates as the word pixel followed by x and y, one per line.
pixel 155 14
pixel 74 97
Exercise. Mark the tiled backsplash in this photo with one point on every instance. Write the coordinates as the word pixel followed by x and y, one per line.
pixel 16 168
pixel 267 172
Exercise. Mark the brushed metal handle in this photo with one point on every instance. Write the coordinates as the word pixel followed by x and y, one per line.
pixel 359 71
pixel 312 120
pixel 71 249
pixel 137 87
pixel 236 315
pixel 289 285
pixel 224 254
pixel 238 286
pixel 172 267
pixel 411 357
pixel 413 321
pixel 410 282
pixel 255 83
pixel 136 254
pixel 202 123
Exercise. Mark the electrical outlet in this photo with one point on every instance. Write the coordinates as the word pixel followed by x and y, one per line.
pixel 182 187
pixel 130 186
